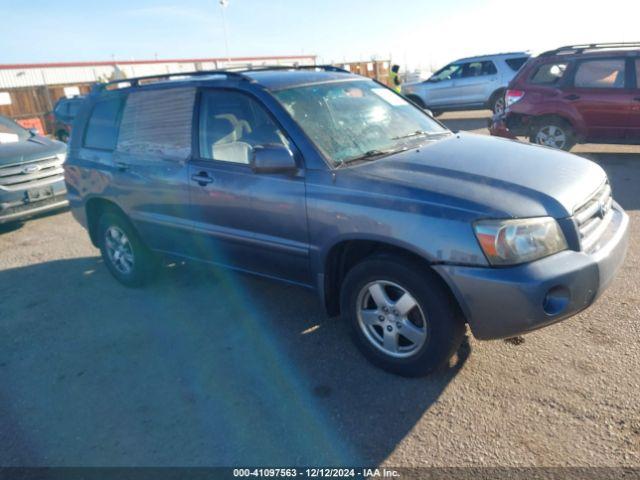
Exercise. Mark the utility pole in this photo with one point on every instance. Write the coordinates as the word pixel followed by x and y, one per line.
pixel 223 6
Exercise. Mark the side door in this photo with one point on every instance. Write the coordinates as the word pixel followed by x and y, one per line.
pixel 633 132
pixel 150 178
pixel 244 220
pixel 440 88
pixel 600 93
pixel 476 82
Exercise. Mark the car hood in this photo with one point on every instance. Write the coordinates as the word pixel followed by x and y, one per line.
pixel 490 177
pixel 30 149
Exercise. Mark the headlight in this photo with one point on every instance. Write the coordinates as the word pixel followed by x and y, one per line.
pixel 509 242
pixel 61 156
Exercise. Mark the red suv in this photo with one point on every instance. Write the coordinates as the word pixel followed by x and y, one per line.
pixel 575 94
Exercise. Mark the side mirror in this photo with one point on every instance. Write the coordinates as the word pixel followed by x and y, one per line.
pixel 34 132
pixel 272 159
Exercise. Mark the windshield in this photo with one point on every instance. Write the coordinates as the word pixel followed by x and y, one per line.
pixel 349 121
pixel 11 132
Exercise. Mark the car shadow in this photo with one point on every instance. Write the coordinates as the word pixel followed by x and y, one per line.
pixel 203 367
pixel 465 124
pixel 18 224
pixel 622 171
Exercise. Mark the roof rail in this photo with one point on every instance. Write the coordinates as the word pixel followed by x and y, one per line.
pixel 591 46
pixel 237 72
pixel 257 68
pixel 138 81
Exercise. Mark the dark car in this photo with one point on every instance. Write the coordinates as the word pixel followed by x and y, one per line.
pixel 332 181
pixel 64 112
pixel 575 94
pixel 31 174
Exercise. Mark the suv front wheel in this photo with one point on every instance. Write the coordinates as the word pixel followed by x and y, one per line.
pixel 402 318
pixel 126 257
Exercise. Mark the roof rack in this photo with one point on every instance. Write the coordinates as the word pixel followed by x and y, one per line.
pixel 138 81
pixel 258 68
pixel 237 72
pixel 591 46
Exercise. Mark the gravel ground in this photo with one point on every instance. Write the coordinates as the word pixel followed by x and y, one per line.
pixel 210 368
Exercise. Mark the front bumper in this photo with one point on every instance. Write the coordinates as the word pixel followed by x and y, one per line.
pixel 14 205
pixel 504 302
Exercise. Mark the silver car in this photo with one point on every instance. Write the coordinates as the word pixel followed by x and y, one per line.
pixel 468 84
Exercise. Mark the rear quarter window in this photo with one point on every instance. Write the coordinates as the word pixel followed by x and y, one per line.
pixel 516 63
pixel 102 128
pixel 158 123
pixel 548 73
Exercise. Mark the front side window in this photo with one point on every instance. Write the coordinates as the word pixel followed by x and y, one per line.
pixel 638 73
pixel 232 124
pixel 447 73
pixel 158 123
pixel 360 119
pixel 102 127
pixel 549 73
pixel 606 73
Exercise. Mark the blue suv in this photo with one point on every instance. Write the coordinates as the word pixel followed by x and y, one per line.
pixel 332 181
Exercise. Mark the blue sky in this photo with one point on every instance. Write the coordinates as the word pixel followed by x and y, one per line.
pixel 413 32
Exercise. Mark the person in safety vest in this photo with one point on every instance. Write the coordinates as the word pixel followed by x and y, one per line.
pixel 395 78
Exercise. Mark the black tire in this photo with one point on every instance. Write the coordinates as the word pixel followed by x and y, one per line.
pixel 444 327
pixel 417 100
pixel 497 103
pixel 547 125
pixel 63 136
pixel 144 262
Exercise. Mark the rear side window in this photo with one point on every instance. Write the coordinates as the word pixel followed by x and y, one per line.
pixel 548 73
pixel 158 122
pixel 478 69
pixel 102 127
pixel 606 73
pixel 516 63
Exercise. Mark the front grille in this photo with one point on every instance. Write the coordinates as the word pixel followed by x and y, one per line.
pixel 31 174
pixel 593 217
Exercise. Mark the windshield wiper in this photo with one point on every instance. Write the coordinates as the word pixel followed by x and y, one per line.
pixel 373 154
pixel 419 133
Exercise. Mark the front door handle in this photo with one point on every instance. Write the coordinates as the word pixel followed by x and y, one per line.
pixel 572 97
pixel 123 166
pixel 202 178
pixel 636 99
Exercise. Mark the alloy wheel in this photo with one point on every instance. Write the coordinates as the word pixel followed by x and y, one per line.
pixel 551 136
pixel 391 319
pixel 119 250
pixel 498 106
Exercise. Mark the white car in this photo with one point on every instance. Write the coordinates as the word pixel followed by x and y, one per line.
pixel 472 83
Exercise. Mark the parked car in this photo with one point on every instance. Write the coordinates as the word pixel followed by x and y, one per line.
pixel 31 175
pixel 64 112
pixel 467 84
pixel 329 180
pixel 575 94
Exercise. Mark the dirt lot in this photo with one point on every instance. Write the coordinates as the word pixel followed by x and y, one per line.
pixel 209 368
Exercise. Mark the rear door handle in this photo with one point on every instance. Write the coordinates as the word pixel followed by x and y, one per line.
pixel 572 97
pixel 202 178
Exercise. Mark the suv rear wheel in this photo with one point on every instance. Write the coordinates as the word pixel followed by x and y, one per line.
pixel 402 318
pixel 126 257
pixel 497 103
pixel 553 132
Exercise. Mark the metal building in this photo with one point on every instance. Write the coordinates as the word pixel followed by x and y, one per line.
pixel 28 92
